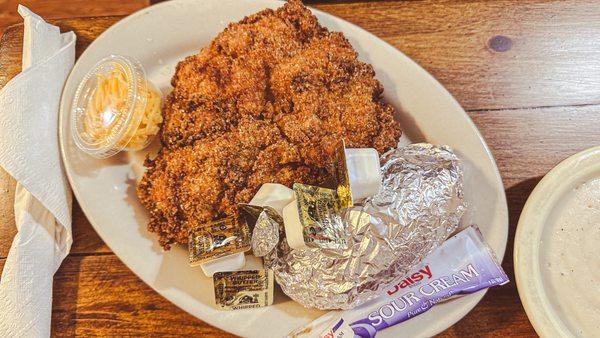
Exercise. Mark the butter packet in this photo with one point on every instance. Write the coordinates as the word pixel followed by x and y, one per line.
pixel 342 176
pixel 356 174
pixel 245 289
pixel 319 212
pixel 218 239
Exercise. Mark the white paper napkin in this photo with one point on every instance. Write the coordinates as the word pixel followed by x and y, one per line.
pixel 29 152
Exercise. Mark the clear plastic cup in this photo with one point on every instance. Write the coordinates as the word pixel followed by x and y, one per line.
pixel 115 108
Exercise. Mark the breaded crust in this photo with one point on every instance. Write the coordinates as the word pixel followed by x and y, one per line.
pixel 266 101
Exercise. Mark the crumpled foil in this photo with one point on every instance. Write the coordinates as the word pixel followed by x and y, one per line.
pixel 265 235
pixel 419 206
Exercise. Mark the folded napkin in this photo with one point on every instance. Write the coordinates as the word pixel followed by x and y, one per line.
pixel 29 152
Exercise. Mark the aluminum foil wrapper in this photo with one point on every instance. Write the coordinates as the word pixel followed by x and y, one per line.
pixel 266 233
pixel 419 206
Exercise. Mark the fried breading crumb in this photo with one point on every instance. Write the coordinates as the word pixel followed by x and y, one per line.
pixel 266 101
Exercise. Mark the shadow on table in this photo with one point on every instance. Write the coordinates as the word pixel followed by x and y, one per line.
pixel 504 313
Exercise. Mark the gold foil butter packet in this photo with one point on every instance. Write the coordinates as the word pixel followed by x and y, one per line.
pixel 218 239
pixel 342 176
pixel 244 289
pixel 319 211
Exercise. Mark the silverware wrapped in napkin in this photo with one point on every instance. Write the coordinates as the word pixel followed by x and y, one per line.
pixel 29 152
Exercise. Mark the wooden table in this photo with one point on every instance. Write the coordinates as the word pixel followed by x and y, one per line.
pixel 528 73
pixel 51 9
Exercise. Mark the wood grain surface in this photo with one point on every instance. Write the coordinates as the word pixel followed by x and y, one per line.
pixel 528 72
pixel 53 9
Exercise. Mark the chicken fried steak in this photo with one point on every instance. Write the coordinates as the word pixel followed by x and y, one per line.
pixel 266 101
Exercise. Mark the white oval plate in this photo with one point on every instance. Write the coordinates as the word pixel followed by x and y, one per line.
pixel 557 264
pixel 162 35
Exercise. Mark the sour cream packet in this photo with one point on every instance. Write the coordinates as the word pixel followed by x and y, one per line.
pixel 463 264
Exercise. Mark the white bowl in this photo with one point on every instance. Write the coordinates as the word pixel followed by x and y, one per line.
pixel 557 249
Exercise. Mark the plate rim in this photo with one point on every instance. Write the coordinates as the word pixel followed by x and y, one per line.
pixel 445 321
pixel 531 221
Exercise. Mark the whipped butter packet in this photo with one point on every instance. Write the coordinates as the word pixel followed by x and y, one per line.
pixel 357 174
pixel 318 209
pixel 312 219
pixel 463 264
pixel 243 289
pixel 218 239
pixel 342 177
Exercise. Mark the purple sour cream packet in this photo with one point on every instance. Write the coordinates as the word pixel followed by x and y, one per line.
pixel 463 264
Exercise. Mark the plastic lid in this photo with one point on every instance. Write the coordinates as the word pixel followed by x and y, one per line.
pixel 103 113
